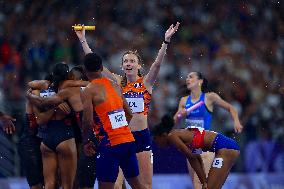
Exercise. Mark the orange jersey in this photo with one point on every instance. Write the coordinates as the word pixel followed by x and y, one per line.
pixel 111 126
pixel 137 96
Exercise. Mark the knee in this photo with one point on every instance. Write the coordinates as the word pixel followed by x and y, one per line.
pixel 50 184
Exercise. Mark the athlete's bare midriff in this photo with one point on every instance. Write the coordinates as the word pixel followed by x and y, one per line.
pixel 138 122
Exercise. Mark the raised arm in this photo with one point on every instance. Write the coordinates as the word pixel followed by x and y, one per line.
pixel 82 37
pixel 215 99
pixel 151 77
pixel 194 160
pixel 81 34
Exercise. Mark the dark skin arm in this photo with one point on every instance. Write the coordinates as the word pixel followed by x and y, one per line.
pixel 74 83
pixel 88 120
pixel 49 101
pixel 194 160
pixel 41 117
pixel 39 84
pixel 8 125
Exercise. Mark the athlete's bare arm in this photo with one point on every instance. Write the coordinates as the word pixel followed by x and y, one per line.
pixel 51 101
pixel 151 77
pixel 8 125
pixel 195 160
pixel 88 120
pixel 181 108
pixel 215 99
pixel 39 84
pixel 74 83
pixel 81 34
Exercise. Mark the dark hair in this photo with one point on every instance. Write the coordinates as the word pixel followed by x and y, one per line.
pixel 81 70
pixel 49 77
pixel 59 73
pixel 165 126
pixel 93 62
pixel 204 86
pixel 124 79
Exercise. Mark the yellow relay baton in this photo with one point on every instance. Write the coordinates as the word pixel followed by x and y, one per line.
pixel 86 27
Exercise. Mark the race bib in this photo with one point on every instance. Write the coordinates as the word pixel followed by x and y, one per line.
pixel 117 119
pixel 136 104
pixel 46 93
pixel 218 163
pixel 194 123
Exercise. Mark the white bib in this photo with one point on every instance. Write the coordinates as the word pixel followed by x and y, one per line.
pixel 45 94
pixel 218 163
pixel 136 104
pixel 117 119
pixel 194 123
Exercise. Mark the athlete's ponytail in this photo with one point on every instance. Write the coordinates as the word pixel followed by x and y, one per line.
pixel 59 73
pixel 204 86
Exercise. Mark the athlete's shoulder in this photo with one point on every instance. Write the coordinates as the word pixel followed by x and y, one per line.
pixel 184 98
pixel 212 96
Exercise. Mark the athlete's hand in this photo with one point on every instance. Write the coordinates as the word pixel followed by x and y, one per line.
pixel 170 32
pixel 179 115
pixel 80 33
pixel 89 149
pixel 29 93
pixel 8 125
pixel 204 186
pixel 238 127
pixel 65 108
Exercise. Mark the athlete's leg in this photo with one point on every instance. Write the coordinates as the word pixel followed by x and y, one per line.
pixel 145 168
pixel 106 185
pixel 222 164
pixel 119 181
pixel 67 160
pixel 135 183
pixel 49 160
pixel 207 158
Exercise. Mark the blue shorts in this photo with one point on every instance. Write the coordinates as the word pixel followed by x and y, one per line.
pixel 56 132
pixel 143 140
pixel 30 156
pixel 109 159
pixel 223 142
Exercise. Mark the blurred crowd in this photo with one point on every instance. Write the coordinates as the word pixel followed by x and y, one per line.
pixel 237 45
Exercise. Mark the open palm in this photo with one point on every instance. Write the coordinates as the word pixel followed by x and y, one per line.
pixel 172 29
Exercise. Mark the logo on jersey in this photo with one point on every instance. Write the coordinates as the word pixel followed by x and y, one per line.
pixel 137 85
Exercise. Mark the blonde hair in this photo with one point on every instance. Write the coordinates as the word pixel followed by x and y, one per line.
pixel 124 79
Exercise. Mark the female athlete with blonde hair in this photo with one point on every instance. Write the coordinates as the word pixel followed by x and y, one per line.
pixel 137 90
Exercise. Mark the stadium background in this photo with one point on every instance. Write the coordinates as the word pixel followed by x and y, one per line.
pixel 237 45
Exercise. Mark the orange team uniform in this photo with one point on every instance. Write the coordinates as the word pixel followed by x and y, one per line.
pixel 116 142
pixel 139 99
pixel 110 122
pixel 137 96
